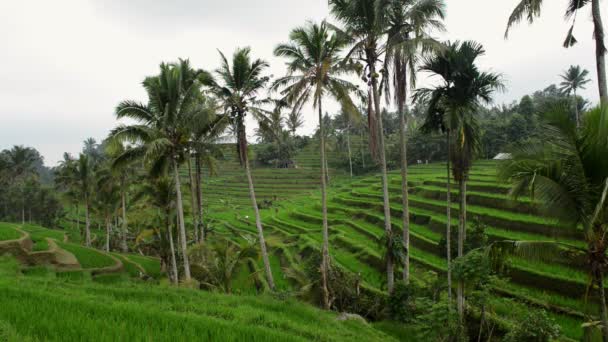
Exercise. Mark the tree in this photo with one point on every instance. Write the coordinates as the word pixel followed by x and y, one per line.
pixel 453 105
pixel 573 79
pixel 294 121
pixel 314 69
pixel 123 172
pixel 407 38
pixel 83 177
pixel 106 198
pixel 567 176
pixel 531 9
pixel 239 84
pixel 21 162
pixel 163 128
pixel 364 25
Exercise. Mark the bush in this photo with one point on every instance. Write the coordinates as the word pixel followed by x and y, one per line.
pixel 534 327
pixel 407 302
pixel 439 324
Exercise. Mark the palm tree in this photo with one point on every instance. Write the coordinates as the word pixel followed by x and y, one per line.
pixel 531 9
pixel 452 107
pixel 365 23
pixel 83 177
pixel 106 198
pixel 123 172
pixel 21 161
pixel 573 79
pixel 408 37
pixel 163 128
pixel 567 176
pixel 313 71
pixel 294 121
pixel 239 85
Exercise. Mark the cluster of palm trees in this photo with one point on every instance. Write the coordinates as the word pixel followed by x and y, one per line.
pixel 384 43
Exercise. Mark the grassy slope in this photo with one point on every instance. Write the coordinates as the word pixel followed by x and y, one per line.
pixel 134 312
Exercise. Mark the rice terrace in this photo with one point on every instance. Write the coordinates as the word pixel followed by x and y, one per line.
pixel 342 170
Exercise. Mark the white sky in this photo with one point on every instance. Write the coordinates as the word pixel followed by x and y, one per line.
pixel 65 64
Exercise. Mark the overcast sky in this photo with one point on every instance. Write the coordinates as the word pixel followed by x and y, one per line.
pixel 65 64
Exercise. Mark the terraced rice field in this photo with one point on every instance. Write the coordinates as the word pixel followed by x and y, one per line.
pixel 356 224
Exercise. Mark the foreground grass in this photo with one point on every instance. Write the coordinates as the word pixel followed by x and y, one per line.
pixel 45 308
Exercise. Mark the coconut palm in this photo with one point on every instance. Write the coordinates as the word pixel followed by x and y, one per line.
pixel 107 198
pixel 567 176
pixel 573 79
pixel 21 162
pixel 531 9
pixel 452 107
pixel 408 37
pixel 83 177
pixel 364 26
pixel 124 172
pixel 163 128
pixel 237 91
pixel 314 69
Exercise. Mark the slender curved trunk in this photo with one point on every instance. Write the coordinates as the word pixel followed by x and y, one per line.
pixel 258 220
pixel 600 50
pixel 448 230
pixel 325 263
pixel 193 206
pixel 174 271
pixel 182 226
pixel 107 244
pixel 123 236
pixel 462 219
pixel 87 224
pixel 350 158
pixel 23 212
pixel 199 197
pixel 78 218
pixel 404 193
pixel 372 124
pixel 390 272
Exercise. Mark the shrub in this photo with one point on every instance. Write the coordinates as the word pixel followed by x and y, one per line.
pixel 534 327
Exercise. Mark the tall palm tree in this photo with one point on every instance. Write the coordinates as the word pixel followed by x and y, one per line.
pixel 573 79
pixel 106 198
pixel 163 128
pixel 83 177
pixel 237 90
pixel 567 176
pixel 408 37
pixel 123 172
pixel 531 9
pixel 364 26
pixel 452 106
pixel 314 69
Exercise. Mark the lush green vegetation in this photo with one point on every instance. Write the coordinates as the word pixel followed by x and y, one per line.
pixel 8 232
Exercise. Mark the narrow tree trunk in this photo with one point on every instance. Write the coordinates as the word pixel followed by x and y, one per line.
pixel 78 219
pixel 362 153
pixel 578 120
pixel 172 250
pixel 29 214
pixel 87 224
pixel 182 226
pixel 325 263
pixel 600 284
pixel 350 159
pixel 123 236
pixel 404 194
pixel 600 50
pixel 107 244
pixel 193 200
pixel 390 272
pixel 373 125
pixel 199 198
pixel 481 321
pixel 461 239
pixel 254 203
pixel 448 231
pixel 23 212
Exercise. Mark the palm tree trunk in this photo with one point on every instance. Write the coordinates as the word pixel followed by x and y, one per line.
pixel 193 200
pixel 199 198
pixel 390 272
pixel 77 218
pixel 29 214
pixel 362 153
pixel 600 50
pixel 462 217
pixel 350 159
pixel 182 226
pixel 87 224
pixel 448 231
pixel 107 244
pixel 123 236
pixel 372 124
pixel 578 120
pixel 23 212
pixel 600 284
pixel 404 194
pixel 174 271
pixel 325 263
pixel 258 221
